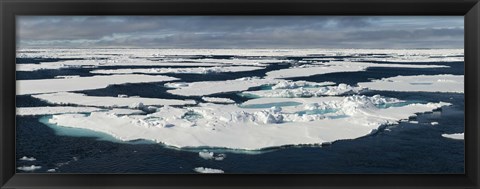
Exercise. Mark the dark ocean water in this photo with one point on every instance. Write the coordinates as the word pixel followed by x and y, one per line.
pixel 402 148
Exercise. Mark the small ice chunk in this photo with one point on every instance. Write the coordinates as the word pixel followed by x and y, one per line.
pixel 455 136
pixel 205 154
pixel 207 170
pixel 220 157
pixel 414 122
pixel 434 123
pixel 210 155
pixel 51 170
pixel 218 100
pixel 29 168
pixel 25 158
pixel 138 105
pixel 276 109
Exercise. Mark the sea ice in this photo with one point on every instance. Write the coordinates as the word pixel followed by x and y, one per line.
pixel 418 83
pixel 207 170
pixel 25 158
pixel 29 168
pixel 105 101
pixel 455 136
pixel 83 83
pixel 292 92
pixel 234 127
pixel 336 67
pixel 50 110
pixel 218 100
pixel 196 70
pixel 203 88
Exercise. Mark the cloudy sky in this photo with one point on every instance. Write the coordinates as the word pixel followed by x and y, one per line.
pixel 240 31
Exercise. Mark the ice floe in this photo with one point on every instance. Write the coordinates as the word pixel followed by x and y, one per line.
pixel 108 53
pixel 65 98
pixel 297 84
pixel 196 70
pixel 25 158
pixel 203 88
pixel 336 67
pixel 218 100
pixel 29 168
pixel 83 83
pixel 434 123
pixel 418 83
pixel 207 170
pixel 455 136
pixel 50 110
pixel 309 121
pixel 298 92
pixel 211 155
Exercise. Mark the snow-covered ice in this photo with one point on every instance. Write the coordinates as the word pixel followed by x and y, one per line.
pixel 50 110
pixel 196 70
pixel 29 168
pixel 455 136
pixel 25 158
pixel 105 101
pixel 218 100
pixel 232 126
pixel 207 170
pixel 292 92
pixel 83 83
pixel 203 88
pixel 205 154
pixel 418 83
pixel 336 67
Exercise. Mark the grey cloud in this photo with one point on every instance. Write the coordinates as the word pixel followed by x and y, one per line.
pixel 239 32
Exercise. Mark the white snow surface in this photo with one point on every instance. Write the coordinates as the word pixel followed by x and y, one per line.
pixel 298 92
pixel 418 83
pixel 205 154
pixel 207 170
pixel 336 67
pixel 105 101
pixel 455 136
pixel 218 100
pixel 83 83
pixel 50 110
pixel 196 70
pixel 25 158
pixel 231 126
pixel 29 168
pixel 203 88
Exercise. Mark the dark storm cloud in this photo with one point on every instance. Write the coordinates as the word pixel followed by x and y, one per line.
pixel 240 32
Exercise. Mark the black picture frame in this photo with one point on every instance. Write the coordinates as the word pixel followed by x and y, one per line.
pixel 9 9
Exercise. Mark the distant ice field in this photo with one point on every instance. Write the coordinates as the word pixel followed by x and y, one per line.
pixel 168 103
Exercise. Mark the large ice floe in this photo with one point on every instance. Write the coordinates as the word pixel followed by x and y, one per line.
pixel 196 70
pixel 212 87
pixel 336 67
pixel 64 98
pixel 83 83
pixel 50 110
pixel 256 124
pixel 418 83
pixel 293 91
